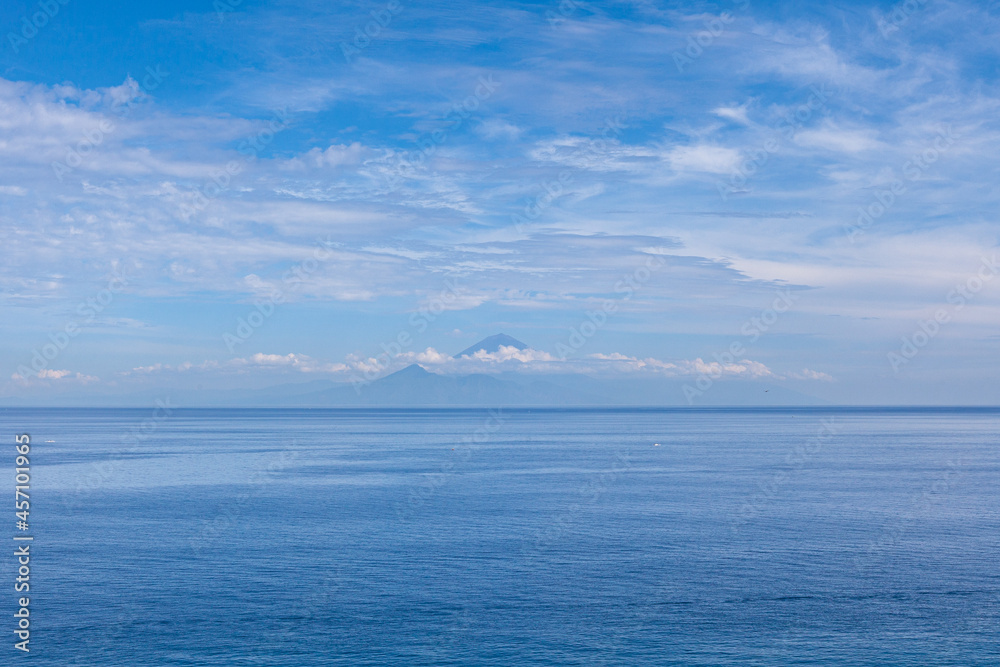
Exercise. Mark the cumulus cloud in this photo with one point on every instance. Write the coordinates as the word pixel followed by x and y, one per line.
pixel 510 353
pixel 52 374
pixel 532 361
pixel 807 374
pixel 504 359
pixel 145 370
pixel 55 375
pixel 335 155
pixel 622 363
pixel 495 128
pixel 744 368
pixel 704 158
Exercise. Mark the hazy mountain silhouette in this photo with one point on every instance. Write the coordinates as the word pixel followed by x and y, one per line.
pixel 492 344
pixel 415 386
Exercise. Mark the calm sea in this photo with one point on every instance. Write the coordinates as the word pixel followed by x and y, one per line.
pixel 541 537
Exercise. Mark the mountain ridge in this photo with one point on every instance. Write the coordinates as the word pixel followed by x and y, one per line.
pixel 492 344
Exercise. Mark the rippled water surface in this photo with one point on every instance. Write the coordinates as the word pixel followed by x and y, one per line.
pixel 545 537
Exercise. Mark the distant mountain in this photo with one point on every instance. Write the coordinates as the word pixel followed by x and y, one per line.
pixel 414 386
pixel 492 344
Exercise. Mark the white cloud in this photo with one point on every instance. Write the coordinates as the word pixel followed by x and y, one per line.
pixel 495 128
pixel 428 356
pixel 734 113
pixel 291 361
pixel 56 375
pixel 595 155
pixel 704 158
pixel 505 359
pixel 143 370
pixel 511 353
pixel 275 359
pixel 52 374
pixel 335 155
pixel 839 140
pixel 621 363
pixel 807 374
pixel 742 368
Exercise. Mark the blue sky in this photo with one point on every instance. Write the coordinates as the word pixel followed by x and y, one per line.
pixel 176 175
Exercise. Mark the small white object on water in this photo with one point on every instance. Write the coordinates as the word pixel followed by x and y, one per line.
pixel 656 444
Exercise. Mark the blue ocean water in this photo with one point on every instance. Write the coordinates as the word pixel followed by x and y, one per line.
pixel 510 537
